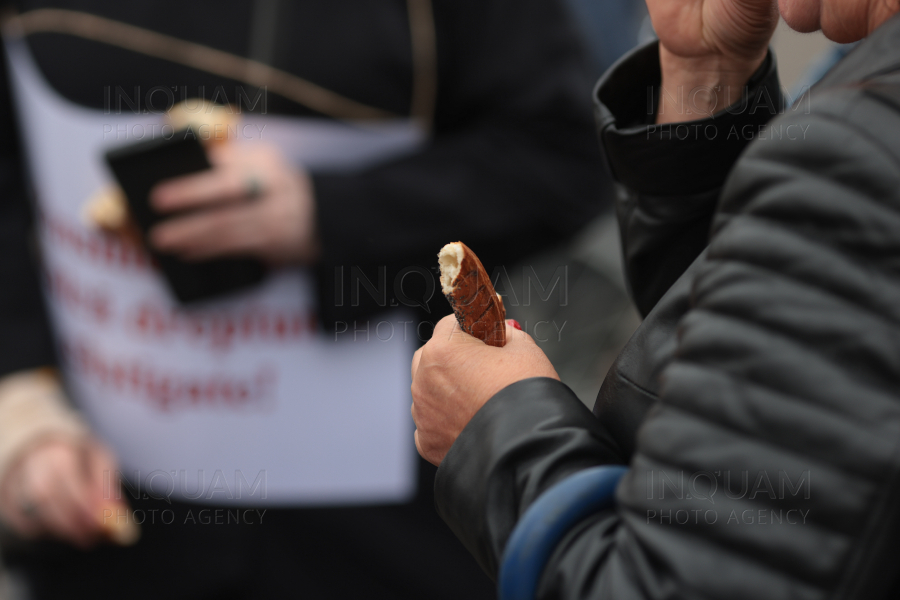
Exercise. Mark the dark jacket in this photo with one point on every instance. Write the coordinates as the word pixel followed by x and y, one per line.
pixel 767 464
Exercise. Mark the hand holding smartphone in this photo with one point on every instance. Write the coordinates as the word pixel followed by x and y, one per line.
pixel 139 168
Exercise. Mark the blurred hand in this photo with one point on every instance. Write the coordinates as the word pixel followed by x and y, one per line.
pixel 57 489
pixel 251 203
pixel 709 43
pixel 454 375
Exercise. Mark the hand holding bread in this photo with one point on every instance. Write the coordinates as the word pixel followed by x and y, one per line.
pixel 472 355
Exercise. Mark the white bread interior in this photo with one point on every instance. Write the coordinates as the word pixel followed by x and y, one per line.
pixel 450 258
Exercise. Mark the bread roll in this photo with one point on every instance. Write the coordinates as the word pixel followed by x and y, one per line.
pixel 478 308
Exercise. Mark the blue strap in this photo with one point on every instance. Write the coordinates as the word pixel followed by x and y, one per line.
pixel 547 521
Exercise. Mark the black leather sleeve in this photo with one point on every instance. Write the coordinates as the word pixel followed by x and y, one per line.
pixel 529 436
pixel 670 176
pixel 632 384
pixel 512 166
pixel 771 466
pixel 670 182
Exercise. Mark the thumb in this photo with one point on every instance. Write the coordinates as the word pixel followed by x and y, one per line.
pixel 526 353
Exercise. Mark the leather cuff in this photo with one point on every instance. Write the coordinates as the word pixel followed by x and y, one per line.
pixel 675 158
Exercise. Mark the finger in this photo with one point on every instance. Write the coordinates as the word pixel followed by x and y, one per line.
pixel 447 327
pixel 75 495
pixel 449 330
pixel 89 486
pixel 56 508
pixel 256 155
pixel 516 336
pixel 415 362
pixel 225 184
pixel 100 468
pixel 418 445
pixel 225 155
pixel 209 233
pixel 426 455
pixel 114 520
pixel 105 488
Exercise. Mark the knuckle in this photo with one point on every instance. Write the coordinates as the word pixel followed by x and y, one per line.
pixel 436 351
pixel 417 388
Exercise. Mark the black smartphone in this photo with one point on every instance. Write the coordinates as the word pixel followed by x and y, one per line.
pixel 138 168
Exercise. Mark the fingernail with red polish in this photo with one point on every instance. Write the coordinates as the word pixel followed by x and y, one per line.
pixel 515 324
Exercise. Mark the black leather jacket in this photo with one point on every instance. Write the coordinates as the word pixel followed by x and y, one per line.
pixel 758 405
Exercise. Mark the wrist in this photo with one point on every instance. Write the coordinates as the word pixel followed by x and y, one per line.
pixel 33 410
pixel 697 87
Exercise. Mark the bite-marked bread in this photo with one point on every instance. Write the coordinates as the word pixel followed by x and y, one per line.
pixel 478 307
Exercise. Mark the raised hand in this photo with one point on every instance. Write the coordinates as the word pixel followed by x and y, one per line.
pixel 708 44
pixel 737 30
